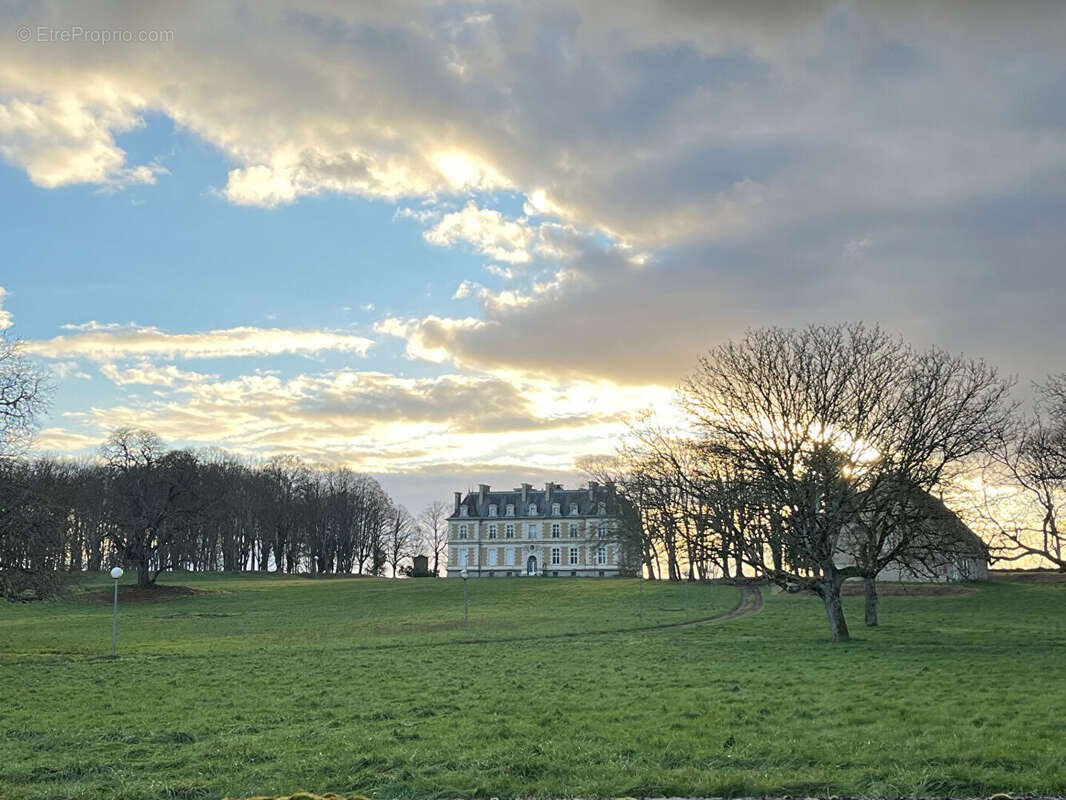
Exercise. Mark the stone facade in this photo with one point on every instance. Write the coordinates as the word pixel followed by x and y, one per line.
pixel 556 532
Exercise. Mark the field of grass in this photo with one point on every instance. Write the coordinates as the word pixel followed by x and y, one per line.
pixel 281 684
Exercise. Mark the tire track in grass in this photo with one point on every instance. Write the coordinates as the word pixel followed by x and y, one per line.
pixel 750 603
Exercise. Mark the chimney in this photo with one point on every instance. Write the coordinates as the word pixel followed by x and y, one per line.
pixel 458 501
pixel 548 494
pixel 482 490
pixel 525 491
pixel 593 486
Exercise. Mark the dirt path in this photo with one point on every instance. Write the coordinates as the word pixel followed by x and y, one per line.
pixel 750 603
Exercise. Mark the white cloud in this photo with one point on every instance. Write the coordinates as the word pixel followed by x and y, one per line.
pixel 5 316
pixel 145 372
pixel 63 441
pixel 487 230
pixel 110 342
pixel 66 139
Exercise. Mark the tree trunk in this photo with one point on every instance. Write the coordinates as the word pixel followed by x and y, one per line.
pixel 838 626
pixel 144 575
pixel 871 601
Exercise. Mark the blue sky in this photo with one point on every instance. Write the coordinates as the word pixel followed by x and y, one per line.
pixel 450 243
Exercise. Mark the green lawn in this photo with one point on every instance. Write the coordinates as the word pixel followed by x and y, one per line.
pixel 275 685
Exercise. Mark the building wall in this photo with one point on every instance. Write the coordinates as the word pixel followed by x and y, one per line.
pixel 477 548
pixel 957 569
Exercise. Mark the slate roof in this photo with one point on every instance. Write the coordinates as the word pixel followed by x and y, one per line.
pixel 587 500
pixel 948 524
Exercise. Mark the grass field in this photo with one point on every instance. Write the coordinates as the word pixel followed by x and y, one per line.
pixel 275 685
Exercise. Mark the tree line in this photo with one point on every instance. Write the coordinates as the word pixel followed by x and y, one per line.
pixel 153 509
pixel 810 457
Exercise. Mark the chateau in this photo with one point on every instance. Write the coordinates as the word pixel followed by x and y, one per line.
pixel 556 532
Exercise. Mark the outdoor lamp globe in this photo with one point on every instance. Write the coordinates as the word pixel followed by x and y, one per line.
pixel 116 573
pixel 463 574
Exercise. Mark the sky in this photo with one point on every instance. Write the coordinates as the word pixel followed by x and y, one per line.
pixel 459 243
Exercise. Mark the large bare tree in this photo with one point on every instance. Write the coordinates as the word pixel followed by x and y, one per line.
pixel 838 426
pixel 434 527
pixel 152 495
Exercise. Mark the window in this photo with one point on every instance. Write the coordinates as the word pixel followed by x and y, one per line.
pixel 603 530
pixel 492 556
pixel 556 555
pixel 531 531
pixel 601 555
pixel 573 529
pixel 464 511
pixel 463 531
pixel 508 530
pixel 509 557
pixel 510 509
pixel 532 509
pixel 601 508
pixel 555 509
pixel 462 557
pixel 492 531
pixel 573 509
pixel 573 556
pixel 555 530
pixel 492 510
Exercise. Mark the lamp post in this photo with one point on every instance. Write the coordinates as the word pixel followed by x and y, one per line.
pixel 466 606
pixel 116 573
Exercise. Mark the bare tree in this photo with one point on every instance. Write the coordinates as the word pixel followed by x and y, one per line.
pixel 24 393
pixel 400 537
pixel 1024 489
pixel 435 531
pixel 836 426
pixel 150 491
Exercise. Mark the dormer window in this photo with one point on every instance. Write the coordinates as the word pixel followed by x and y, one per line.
pixel 492 510
pixel 573 509
pixel 602 508
pixel 464 511
pixel 532 509
pixel 555 509
pixel 510 509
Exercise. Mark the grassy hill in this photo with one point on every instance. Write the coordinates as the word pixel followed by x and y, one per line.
pixel 260 684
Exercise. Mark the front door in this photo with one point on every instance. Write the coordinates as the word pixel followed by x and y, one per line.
pixel 531 566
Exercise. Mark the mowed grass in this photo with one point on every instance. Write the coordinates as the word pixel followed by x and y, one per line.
pixel 366 686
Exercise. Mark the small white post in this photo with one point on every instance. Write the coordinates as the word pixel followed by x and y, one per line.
pixel 116 573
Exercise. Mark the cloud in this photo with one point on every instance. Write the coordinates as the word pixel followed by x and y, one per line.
pixel 382 422
pixel 61 440
pixel 145 372
pixel 487 230
pixel 66 139
pixel 5 316
pixel 109 342
pixel 684 170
